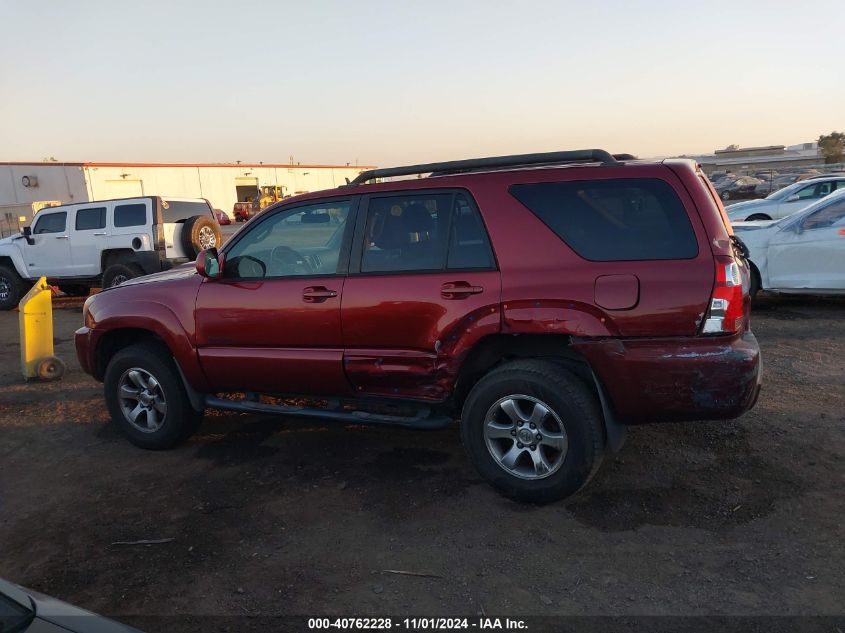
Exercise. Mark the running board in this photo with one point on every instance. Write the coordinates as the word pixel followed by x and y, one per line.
pixel 424 419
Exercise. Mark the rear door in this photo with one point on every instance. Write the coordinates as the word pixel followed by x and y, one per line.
pixel 423 286
pixel 272 322
pixel 130 219
pixel 811 254
pixel 174 212
pixel 88 239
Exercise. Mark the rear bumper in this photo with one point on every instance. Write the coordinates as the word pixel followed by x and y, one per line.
pixel 670 380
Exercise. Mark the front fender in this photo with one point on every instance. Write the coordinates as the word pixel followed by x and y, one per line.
pixel 13 252
pixel 177 331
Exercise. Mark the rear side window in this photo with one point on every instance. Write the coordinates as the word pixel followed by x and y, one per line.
pixel 50 223
pixel 130 214
pixel 613 220
pixel 468 245
pixel 88 219
pixel 173 211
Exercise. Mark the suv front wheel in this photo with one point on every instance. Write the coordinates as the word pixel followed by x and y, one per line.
pixel 533 430
pixel 146 398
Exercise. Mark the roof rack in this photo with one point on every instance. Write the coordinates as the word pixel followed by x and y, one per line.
pixel 493 162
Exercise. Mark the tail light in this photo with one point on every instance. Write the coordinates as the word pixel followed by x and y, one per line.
pixel 726 314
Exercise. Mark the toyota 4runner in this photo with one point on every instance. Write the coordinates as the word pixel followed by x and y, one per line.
pixel 104 243
pixel 545 300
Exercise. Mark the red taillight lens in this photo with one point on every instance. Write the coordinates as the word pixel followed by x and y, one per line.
pixel 727 310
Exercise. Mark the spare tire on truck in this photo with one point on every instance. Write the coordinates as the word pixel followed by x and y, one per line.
pixel 198 233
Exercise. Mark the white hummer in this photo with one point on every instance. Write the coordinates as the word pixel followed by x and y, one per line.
pixel 104 243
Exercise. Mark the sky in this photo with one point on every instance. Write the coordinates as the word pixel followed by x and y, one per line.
pixel 391 82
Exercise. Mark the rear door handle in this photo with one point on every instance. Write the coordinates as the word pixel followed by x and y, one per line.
pixel 61 237
pixel 101 233
pixel 459 290
pixel 317 294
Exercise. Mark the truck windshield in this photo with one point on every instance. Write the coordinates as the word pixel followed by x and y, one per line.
pixel 174 211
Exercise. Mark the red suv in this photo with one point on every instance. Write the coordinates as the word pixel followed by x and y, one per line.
pixel 546 300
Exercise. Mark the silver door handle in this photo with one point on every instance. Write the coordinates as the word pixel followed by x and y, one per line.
pixel 101 233
pixel 61 237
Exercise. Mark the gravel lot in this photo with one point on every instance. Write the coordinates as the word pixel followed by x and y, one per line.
pixel 270 516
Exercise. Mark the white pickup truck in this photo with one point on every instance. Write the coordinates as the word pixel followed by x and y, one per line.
pixel 104 243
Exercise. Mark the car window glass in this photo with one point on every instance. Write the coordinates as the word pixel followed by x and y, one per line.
pixel 826 216
pixel 406 232
pixel 840 184
pixel 87 219
pixel 173 211
pixel 807 192
pixel 614 220
pixel 468 243
pixel 50 223
pixel 130 214
pixel 301 242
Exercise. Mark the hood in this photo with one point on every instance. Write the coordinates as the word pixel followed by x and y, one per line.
pixel 744 209
pixel 8 240
pixel 756 235
pixel 753 226
pixel 181 271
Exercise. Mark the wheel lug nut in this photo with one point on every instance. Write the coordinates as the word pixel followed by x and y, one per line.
pixel 513 432
pixel 520 445
pixel 538 437
pixel 533 447
pixel 533 426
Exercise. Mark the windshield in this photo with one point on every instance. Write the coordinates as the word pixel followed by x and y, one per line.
pixel 795 218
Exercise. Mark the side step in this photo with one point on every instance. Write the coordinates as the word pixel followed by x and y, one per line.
pixel 424 419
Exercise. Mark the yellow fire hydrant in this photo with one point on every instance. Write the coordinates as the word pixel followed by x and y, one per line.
pixel 36 326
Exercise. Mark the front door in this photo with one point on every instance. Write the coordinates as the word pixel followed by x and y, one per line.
pixel 49 254
pixel 811 254
pixel 88 235
pixel 423 286
pixel 271 323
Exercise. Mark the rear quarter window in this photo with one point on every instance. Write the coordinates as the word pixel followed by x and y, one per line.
pixel 130 215
pixel 613 220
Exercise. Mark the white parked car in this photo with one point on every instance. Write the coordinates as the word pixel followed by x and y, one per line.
pixel 104 243
pixel 801 254
pixel 786 201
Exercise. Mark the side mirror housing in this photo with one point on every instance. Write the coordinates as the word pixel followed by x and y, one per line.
pixel 792 198
pixel 210 263
pixel 27 231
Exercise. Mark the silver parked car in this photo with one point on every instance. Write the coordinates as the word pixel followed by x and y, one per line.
pixel 801 254
pixel 26 611
pixel 787 201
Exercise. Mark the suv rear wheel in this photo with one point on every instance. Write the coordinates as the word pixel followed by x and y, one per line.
pixel 533 430
pixel 116 274
pixel 146 398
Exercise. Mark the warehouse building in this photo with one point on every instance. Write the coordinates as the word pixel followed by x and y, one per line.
pixel 221 184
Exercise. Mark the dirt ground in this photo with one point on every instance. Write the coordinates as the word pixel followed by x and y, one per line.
pixel 270 516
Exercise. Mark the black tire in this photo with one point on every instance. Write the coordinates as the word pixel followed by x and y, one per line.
pixel 757 216
pixel 12 288
pixel 75 290
pixel 116 274
pixel 177 422
pixel 755 282
pixel 567 397
pixel 50 368
pixel 198 233
pixel 726 195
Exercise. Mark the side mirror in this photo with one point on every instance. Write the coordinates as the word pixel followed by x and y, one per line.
pixel 27 233
pixel 209 263
pixel 792 198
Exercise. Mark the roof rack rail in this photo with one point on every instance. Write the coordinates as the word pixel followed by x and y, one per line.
pixel 493 162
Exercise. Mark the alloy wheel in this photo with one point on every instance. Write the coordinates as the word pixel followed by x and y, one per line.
pixel 142 400
pixel 525 437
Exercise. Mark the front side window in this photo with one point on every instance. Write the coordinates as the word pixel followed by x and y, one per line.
pixel 130 215
pixel 301 242
pixel 614 220
pixel 88 219
pixel 50 223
